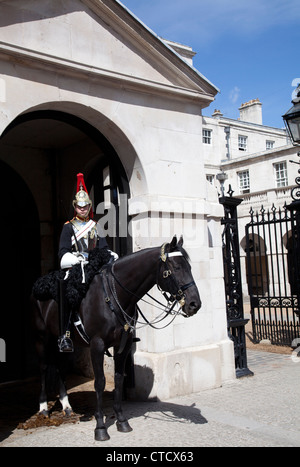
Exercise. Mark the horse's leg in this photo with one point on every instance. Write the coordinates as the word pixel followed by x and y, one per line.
pixel 120 360
pixel 63 398
pixel 97 355
pixel 63 363
pixel 43 403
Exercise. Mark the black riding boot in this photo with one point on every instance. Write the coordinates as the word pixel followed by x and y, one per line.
pixel 65 343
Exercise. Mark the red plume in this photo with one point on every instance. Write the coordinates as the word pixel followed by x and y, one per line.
pixel 80 183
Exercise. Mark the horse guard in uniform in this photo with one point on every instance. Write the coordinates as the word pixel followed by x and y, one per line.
pixel 108 313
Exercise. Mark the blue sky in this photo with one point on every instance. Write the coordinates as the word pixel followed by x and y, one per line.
pixel 247 49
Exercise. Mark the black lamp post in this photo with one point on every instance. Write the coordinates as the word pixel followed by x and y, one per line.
pixel 292 119
pixel 233 278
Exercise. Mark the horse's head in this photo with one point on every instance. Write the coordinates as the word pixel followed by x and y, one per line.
pixel 175 277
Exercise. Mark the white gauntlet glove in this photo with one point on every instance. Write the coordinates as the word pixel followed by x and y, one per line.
pixel 114 255
pixel 81 258
pixel 70 259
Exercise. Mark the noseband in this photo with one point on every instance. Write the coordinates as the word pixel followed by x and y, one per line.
pixel 178 294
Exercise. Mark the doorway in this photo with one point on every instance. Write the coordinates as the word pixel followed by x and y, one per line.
pixel 20 258
pixel 41 153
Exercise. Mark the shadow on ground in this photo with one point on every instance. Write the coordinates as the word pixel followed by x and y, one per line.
pixel 19 406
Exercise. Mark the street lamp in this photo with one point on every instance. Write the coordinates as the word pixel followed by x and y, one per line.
pixel 292 119
pixel 222 177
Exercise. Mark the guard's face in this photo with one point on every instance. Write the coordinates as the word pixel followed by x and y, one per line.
pixel 82 211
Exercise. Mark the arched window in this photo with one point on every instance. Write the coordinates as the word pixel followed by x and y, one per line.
pixel 256 264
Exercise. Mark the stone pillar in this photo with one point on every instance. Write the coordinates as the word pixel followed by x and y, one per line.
pixel 193 353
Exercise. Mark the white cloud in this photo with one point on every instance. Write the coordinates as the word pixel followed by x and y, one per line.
pixel 234 94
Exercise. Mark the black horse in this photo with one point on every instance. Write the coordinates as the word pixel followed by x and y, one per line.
pixel 108 313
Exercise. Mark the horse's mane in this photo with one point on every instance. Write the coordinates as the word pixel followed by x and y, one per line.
pixel 135 254
pixel 178 247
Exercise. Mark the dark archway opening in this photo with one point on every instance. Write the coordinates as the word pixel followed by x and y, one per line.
pixel 20 258
pixel 257 272
pixel 56 146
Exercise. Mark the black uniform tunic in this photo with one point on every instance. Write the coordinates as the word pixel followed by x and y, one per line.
pixel 65 243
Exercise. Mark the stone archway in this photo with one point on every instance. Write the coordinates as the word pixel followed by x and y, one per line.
pixel 41 152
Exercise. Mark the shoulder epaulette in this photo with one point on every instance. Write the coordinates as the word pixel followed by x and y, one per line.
pixel 68 222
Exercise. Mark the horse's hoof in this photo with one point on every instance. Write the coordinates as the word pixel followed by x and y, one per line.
pixel 44 413
pixel 68 412
pixel 101 434
pixel 124 427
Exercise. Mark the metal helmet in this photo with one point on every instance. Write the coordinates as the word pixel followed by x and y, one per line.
pixel 82 197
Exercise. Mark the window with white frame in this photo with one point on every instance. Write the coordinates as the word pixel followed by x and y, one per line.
pixel 270 144
pixel 244 181
pixel 281 178
pixel 242 143
pixel 206 136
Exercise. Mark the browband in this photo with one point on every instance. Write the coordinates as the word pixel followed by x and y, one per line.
pixel 175 253
pixel 164 256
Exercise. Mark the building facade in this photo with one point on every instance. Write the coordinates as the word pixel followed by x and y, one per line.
pixel 86 87
pixel 256 160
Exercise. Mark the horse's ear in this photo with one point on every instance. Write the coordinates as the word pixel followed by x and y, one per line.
pixel 180 243
pixel 173 242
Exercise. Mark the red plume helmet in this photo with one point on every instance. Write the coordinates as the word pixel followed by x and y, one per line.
pixel 82 197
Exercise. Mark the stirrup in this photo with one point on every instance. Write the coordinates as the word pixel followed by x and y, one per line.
pixel 65 343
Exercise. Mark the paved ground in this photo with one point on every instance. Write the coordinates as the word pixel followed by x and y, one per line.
pixel 262 410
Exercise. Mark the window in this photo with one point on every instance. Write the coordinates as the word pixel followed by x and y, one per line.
pixel 244 181
pixel 106 187
pixel 210 179
pixel 269 144
pixel 206 136
pixel 281 174
pixel 242 143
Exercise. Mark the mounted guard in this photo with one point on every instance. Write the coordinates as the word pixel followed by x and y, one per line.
pixel 110 319
pixel 78 238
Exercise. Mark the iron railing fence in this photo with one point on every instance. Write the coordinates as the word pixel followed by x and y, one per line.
pixel 272 268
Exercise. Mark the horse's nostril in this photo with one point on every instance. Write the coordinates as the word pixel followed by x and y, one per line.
pixel 194 307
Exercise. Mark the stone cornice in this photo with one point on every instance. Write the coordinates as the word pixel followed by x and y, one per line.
pixel 242 125
pixel 264 155
pixel 42 61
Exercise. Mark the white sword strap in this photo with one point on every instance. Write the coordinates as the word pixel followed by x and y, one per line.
pixel 83 231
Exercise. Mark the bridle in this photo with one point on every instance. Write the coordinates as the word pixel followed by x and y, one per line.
pixel 178 294
pixel 128 322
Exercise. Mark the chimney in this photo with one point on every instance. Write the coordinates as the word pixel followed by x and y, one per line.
pixel 184 51
pixel 251 112
pixel 217 113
